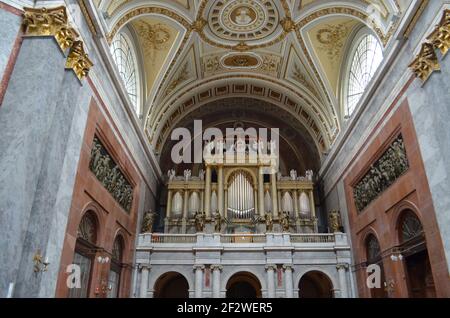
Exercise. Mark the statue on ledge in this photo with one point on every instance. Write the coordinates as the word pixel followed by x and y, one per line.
pixel 199 221
pixel 269 222
pixel 334 220
pixel 285 222
pixel 147 222
pixel 217 222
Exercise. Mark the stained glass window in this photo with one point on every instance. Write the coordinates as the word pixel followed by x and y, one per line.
pixel 364 63
pixel 125 60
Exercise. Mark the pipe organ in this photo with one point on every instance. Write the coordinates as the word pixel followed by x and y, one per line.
pixel 234 201
pixel 241 204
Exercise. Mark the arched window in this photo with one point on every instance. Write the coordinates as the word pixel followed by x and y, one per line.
pixel 126 61
pixel 365 58
pixel 116 268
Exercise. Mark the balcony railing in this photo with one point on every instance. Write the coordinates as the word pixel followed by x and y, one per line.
pixel 269 239
pixel 243 238
pixel 173 238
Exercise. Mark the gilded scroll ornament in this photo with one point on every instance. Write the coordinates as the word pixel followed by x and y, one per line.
pixel 382 174
pixel 49 22
pixel 440 38
pixel 425 63
pixel 109 174
pixel 78 60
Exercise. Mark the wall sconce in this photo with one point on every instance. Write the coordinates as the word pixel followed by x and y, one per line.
pixel 396 258
pixel 389 286
pixel 103 260
pixel 39 265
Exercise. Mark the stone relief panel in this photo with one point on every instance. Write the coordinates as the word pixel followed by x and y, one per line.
pixel 109 174
pixel 382 174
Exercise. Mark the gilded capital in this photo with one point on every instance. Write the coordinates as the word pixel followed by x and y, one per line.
pixel 78 60
pixel 52 22
pixel 425 63
pixel 440 38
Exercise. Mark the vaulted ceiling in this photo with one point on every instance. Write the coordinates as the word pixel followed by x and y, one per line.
pixel 286 52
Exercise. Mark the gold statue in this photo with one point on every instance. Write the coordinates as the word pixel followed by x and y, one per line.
pixel 334 220
pixel 147 222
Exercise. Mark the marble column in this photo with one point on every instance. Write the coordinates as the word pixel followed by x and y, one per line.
pixel 145 269
pixel 342 272
pixel 208 192
pixel 42 122
pixel 198 269
pixel 185 204
pixel 274 195
pixel 296 207
pixel 289 284
pixel 261 192
pixel 270 269
pixel 220 190
pixel 216 269
pixel 225 195
pixel 169 205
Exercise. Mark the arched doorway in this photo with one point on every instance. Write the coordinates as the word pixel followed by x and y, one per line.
pixel 243 285
pixel 315 285
pixel 171 285
pixel 373 255
pixel 84 254
pixel 413 248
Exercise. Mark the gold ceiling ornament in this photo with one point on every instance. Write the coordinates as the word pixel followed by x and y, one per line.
pixel 144 11
pixel 78 60
pixel 288 25
pixel 425 63
pixel 52 22
pixel 155 36
pixel 241 47
pixel 440 38
pixel 332 38
pixel 241 61
pixel 199 24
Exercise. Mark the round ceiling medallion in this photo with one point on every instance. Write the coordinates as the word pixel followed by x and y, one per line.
pixel 243 20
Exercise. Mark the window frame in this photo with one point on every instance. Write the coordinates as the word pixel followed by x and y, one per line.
pixel 356 38
pixel 130 41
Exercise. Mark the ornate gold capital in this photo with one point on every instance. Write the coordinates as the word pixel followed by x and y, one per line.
pixel 440 37
pixel 49 22
pixel 425 63
pixel 78 60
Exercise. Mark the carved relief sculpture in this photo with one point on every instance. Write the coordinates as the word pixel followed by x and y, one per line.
pixel 382 174
pixel 425 63
pixel 109 174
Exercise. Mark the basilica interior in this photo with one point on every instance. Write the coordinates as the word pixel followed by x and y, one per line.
pixel 224 148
